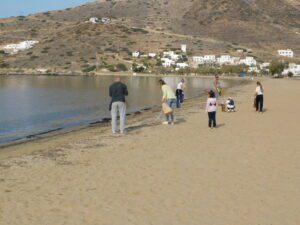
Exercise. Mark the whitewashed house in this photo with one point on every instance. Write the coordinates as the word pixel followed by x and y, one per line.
pixel 94 20
pixel 15 48
pixel 135 54
pixel 198 59
pixel 265 65
pixel 172 55
pixel 209 58
pixel 41 70
pixel 253 69
pixel 166 62
pixel 286 53
pixel 249 61
pixel 182 65
pixel 105 20
pixel 183 48
pixel 224 59
pixel 234 60
pixel 293 68
pixel 152 55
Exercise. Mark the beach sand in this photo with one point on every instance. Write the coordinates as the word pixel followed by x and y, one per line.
pixel 245 172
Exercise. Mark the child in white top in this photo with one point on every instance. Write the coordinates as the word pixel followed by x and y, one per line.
pixel 259 97
pixel 211 108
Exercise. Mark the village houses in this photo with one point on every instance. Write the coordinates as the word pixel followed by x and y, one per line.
pixel 209 58
pixel 15 48
pixel 172 55
pixel 249 61
pixel 293 68
pixel 166 62
pixel 96 20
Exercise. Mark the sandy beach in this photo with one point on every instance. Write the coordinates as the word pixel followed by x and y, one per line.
pixel 245 172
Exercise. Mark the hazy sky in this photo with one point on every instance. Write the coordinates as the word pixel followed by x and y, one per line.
pixel 24 7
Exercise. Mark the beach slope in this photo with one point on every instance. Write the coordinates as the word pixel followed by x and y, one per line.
pixel 246 171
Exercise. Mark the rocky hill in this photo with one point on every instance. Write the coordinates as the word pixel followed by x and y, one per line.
pixel 67 41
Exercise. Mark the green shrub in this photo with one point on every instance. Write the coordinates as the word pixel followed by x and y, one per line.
pixel 88 68
pixel 34 57
pixel 290 74
pixel 111 68
pixel 276 67
pixel 121 67
pixel 3 64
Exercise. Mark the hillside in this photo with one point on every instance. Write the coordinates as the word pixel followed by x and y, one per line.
pixel 68 42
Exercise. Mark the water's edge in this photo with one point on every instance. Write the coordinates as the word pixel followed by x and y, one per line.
pixel 105 121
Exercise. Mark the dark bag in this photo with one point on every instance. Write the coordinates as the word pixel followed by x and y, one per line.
pixel 254 104
pixel 110 105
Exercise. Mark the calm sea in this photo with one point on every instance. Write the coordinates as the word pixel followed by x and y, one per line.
pixel 31 105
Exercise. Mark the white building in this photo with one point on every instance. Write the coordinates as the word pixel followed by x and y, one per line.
pixel 253 69
pixel 265 65
pixel 249 61
pixel 41 70
pixel 152 55
pixel 166 62
pixel 182 65
pixel 293 68
pixel 224 59
pixel 183 48
pixel 24 45
pixel 235 60
pixel 286 53
pixel 209 59
pixel 198 59
pixel 105 20
pixel 171 55
pixel 94 20
pixel 135 54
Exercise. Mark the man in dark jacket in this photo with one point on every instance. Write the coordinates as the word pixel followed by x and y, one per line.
pixel 117 92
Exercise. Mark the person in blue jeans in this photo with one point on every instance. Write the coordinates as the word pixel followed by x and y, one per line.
pixel 170 98
pixel 179 93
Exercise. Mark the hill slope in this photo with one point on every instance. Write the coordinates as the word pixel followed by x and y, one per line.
pixel 214 26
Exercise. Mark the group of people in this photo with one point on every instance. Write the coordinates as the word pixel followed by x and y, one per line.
pixel 170 100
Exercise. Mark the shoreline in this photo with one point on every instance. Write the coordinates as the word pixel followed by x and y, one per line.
pixel 127 74
pixel 145 113
pixel 101 122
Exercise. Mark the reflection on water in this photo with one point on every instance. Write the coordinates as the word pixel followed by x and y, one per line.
pixel 35 104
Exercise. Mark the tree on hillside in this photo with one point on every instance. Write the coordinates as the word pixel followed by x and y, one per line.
pixel 276 67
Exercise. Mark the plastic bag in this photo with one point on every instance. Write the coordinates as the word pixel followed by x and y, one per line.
pixel 166 109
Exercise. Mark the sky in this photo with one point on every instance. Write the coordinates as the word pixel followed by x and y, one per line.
pixel 24 7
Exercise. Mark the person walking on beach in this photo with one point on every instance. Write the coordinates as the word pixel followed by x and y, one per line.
pixel 211 109
pixel 217 87
pixel 259 97
pixel 170 99
pixel 117 92
pixel 179 93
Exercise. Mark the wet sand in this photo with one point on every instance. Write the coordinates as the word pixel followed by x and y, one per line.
pixel 246 171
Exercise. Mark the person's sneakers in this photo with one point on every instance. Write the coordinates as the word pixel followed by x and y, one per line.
pixel 173 123
pixel 165 123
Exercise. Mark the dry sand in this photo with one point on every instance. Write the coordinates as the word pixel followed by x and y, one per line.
pixel 245 172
